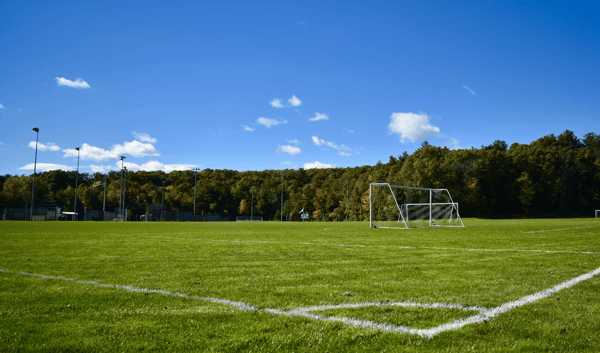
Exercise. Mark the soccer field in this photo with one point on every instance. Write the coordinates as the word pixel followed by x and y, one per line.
pixel 271 286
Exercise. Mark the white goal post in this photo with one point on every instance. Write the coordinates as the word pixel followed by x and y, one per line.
pixel 402 207
pixel 597 213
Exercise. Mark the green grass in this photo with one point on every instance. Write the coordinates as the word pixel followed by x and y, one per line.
pixel 289 266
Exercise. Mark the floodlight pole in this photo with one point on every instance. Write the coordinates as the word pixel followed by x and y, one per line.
pixel 162 207
pixel 252 208
pixel 124 214
pixel 104 201
pixel 76 181
pixel 34 165
pixel 195 186
pixel 121 185
pixel 346 200
pixel 281 214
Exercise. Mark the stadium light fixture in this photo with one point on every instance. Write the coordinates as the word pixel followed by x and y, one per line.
pixel 37 131
pixel 76 181
pixel 196 170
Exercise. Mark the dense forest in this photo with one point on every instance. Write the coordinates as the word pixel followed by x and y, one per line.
pixel 554 175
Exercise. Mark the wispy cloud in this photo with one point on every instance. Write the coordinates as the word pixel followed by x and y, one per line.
pixel 144 137
pixel 470 90
pixel 44 147
pixel 248 128
pixel 277 103
pixel 411 126
pixel 46 167
pixel 348 130
pixel 270 122
pixel 294 101
pixel 102 168
pixel 287 163
pixel 2 107
pixel 289 149
pixel 341 149
pixel 319 116
pixel 453 144
pixel 302 23
pixel 156 165
pixel 79 83
pixel 294 141
pixel 133 148
pixel 317 165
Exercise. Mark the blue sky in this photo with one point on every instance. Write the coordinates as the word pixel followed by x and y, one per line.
pixel 268 85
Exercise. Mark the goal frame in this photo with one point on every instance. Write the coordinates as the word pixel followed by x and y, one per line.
pixel 401 211
pixel 597 213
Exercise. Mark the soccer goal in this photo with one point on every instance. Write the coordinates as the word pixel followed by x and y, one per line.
pixel 597 213
pixel 404 207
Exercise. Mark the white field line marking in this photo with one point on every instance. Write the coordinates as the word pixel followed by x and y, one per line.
pixel 556 230
pixel 491 313
pixel 484 313
pixel 386 246
pixel 518 250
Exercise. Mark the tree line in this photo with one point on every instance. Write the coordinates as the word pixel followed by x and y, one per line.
pixel 554 175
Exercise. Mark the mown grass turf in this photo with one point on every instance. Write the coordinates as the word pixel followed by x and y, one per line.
pixel 293 265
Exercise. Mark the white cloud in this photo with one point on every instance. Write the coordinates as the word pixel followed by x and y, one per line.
pixel 319 116
pixel 2 107
pixel 144 137
pixel 317 165
pixel 156 165
pixel 46 167
pixel 294 101
pixel 470 90
pixel 248 128
pixel 411 126
pixel 288 163
pixel 79 83
pixel 294 141
pixel 270 122
pixel 341 149
pixel 41 147
pixel 101 168
pixel 289 149
pixel 454 144
pixel 133 148
pixel 277 103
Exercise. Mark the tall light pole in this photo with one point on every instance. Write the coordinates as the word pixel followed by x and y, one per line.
pixel 162 206
pixel 37 131
pixel 121 185
pixel 346 200
pixel 76 180
pixel 282 172
pixel 124 215
pixel 196 170
pixel 252 208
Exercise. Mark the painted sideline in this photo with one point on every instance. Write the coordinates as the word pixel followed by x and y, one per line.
pixel 484 313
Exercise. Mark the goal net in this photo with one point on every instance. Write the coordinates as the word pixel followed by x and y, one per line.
pixel 404 207
pixel 597 213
